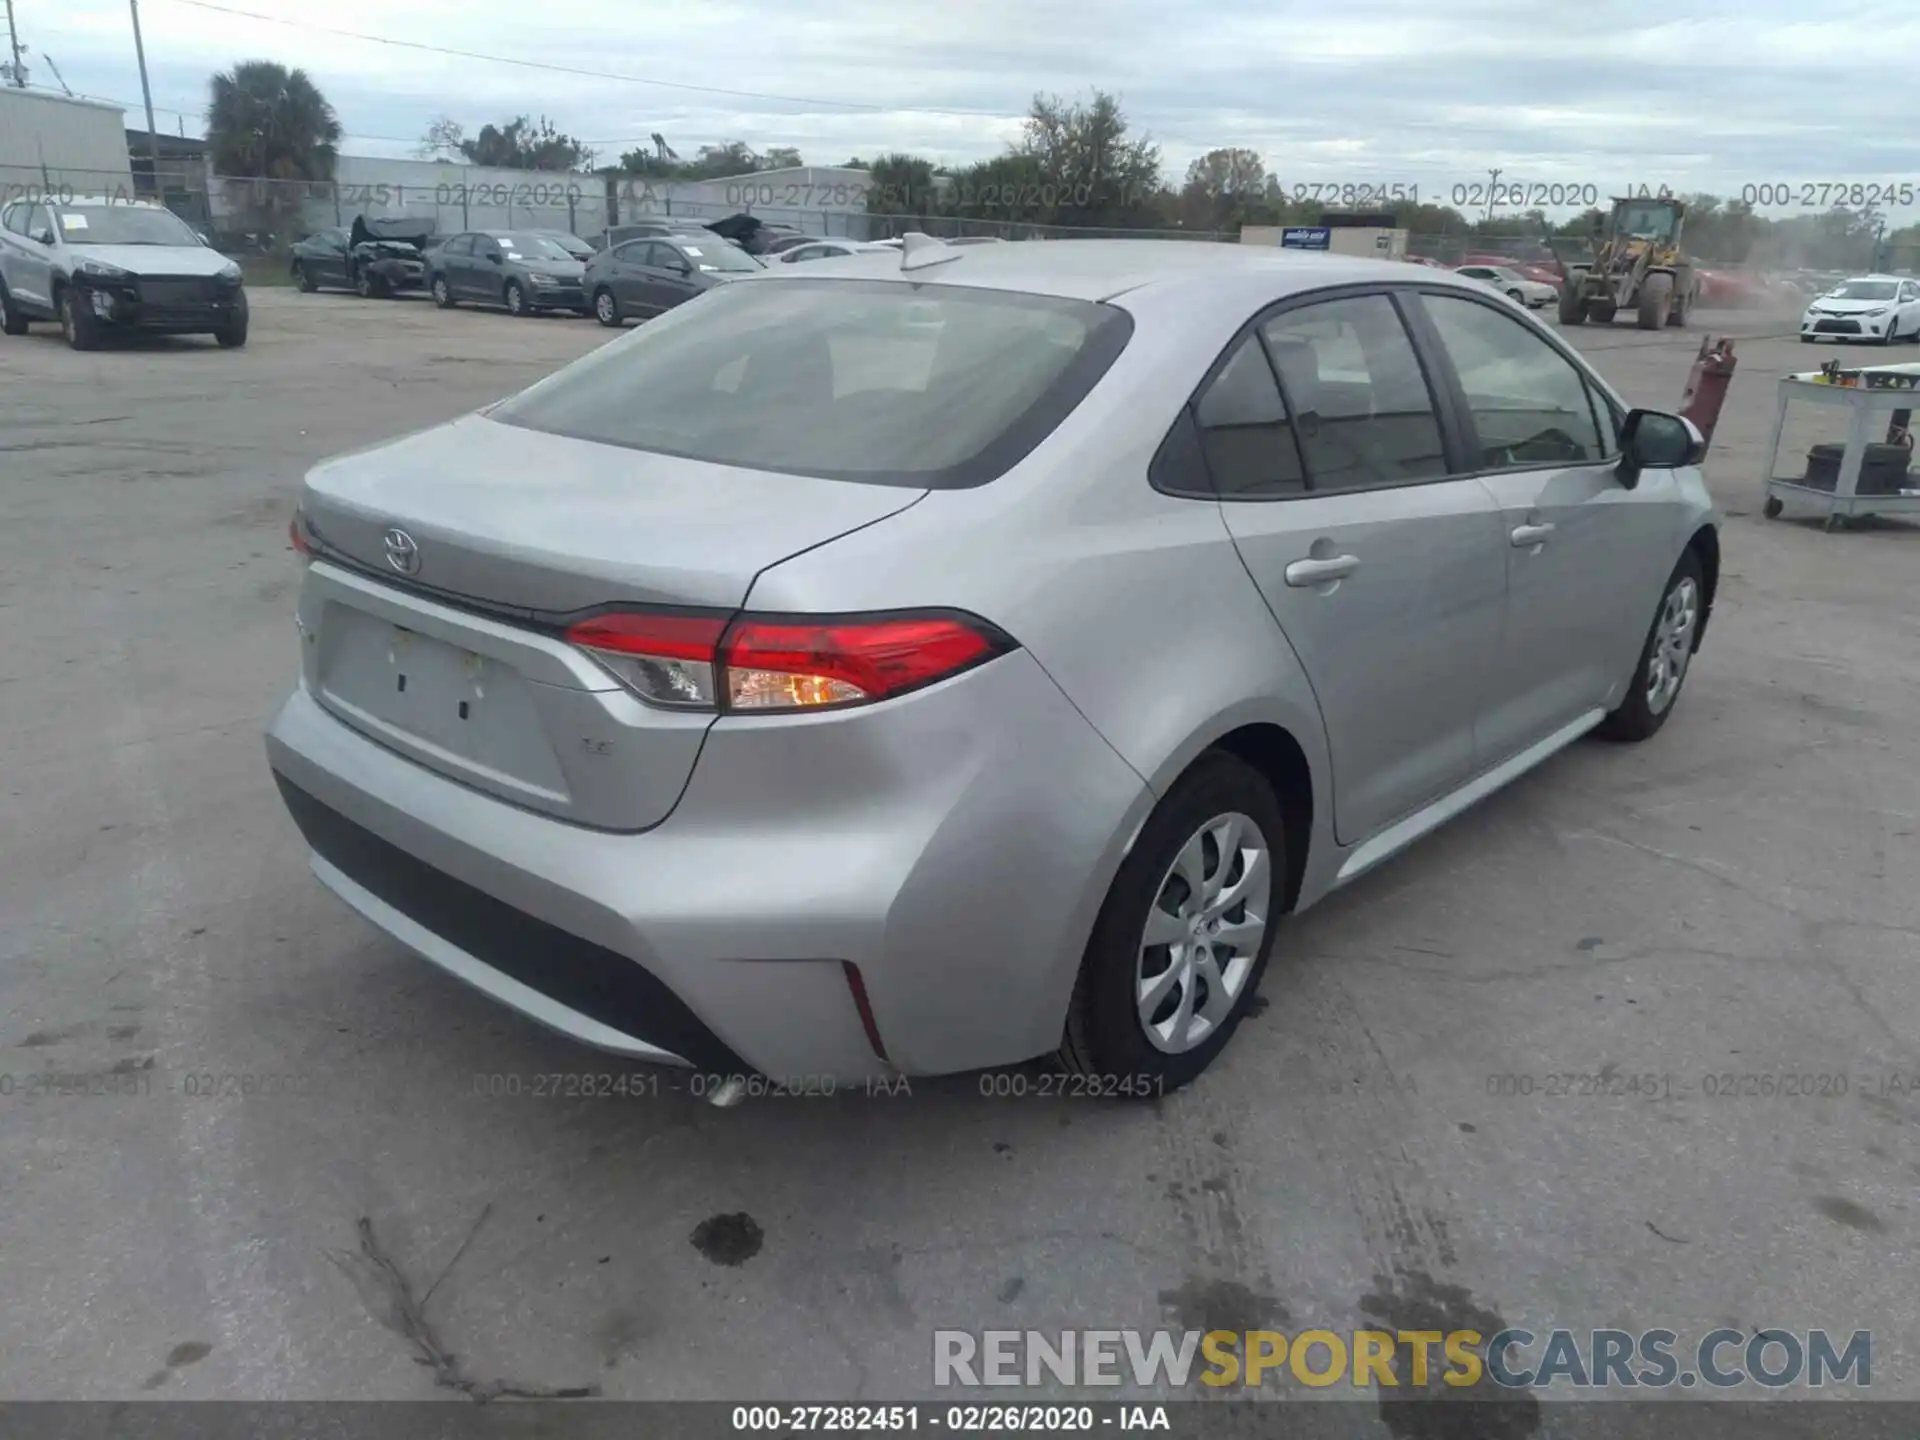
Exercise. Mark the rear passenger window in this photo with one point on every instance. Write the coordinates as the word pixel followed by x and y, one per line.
pixel 1244 431
pixel 1528 403
pixel 1361 407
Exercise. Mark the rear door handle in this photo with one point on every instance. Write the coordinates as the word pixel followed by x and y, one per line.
pixel 1526 536
pixel 1303 574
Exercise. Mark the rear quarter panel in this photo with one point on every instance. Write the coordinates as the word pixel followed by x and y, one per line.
pixel 1134 602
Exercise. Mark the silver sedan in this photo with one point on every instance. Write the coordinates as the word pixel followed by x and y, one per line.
pixel 903 668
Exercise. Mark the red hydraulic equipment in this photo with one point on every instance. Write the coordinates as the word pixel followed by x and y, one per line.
pixel 1707 384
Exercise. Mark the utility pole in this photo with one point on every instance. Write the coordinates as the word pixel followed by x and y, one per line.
pixel 146 93
pixel 1493 188
pixel 18 73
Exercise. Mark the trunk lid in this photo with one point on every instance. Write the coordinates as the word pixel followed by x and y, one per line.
pixel 529 527
pixel 541 524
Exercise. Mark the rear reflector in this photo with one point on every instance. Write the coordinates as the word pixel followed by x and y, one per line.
pixel 865 1006
pixel 783 663
pixel 297 534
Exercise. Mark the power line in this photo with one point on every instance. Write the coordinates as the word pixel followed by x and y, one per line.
pixel 199 115
pixel 589 74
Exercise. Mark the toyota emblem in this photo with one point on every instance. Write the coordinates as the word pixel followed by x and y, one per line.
pixel 402 553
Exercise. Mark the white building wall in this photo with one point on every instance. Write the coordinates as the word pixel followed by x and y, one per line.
pixel 454 197
pixel 826 200
pixel 76 144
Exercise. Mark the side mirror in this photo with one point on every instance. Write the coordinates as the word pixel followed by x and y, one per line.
pixel 496 257
pixel 44 236
pixel 203 237
pixel 1655 440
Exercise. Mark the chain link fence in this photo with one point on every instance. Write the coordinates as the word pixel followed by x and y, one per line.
pixel 259 221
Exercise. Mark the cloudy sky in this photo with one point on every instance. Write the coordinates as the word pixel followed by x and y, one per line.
pixel 1706 94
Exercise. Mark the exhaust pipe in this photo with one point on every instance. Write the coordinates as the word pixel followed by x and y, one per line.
pixel 727 1093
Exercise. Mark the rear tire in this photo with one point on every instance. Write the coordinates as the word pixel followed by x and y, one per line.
pixel 1573 305
pixel 515 298
pixel 363 285
pixel 302 281
pixel 443 293
pixel 12 320
pixel 1516 297
pixel 1773 507
pixel 1665 657
pixel 606 308
pixel 232 336
pixel 77 322
pixel 1197 969
pixel 1656 301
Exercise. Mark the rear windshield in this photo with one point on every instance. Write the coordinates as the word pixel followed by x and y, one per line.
pixel 883 382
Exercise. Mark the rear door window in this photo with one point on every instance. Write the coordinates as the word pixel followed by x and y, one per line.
pixel 1245 432
pixel 1352 380
pixel 884 382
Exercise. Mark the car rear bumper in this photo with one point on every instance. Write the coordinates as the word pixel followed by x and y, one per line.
pixel 951 847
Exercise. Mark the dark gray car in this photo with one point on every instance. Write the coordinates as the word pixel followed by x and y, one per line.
pixel 522 270
pixel 646 277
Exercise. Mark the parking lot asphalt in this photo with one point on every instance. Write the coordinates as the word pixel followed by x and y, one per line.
pixel 1385 1141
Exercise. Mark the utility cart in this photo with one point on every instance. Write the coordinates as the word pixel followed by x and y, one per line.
pixel 1859 473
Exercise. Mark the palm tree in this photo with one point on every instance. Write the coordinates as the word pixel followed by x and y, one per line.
pixel 271 122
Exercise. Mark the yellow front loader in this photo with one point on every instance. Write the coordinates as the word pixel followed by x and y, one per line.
pixel 1638 265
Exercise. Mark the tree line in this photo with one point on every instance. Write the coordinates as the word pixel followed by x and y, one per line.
pixel 1075 164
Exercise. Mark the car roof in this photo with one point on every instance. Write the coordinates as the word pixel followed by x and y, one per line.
pixel 1105 269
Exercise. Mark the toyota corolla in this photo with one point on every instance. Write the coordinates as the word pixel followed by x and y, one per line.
pixel 904 669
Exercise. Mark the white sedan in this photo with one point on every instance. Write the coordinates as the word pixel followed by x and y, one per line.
pixel 1869 307
pixel 1511 283
pixel 826 249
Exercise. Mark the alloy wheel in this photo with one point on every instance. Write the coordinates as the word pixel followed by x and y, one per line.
pixel 1672 644
pixel 1203 933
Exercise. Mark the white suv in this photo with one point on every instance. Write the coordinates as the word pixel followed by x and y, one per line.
pixel 99 265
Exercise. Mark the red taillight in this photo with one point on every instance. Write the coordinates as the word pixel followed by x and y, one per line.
pixel 760 663
pixel 787 664
pixel 297 533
